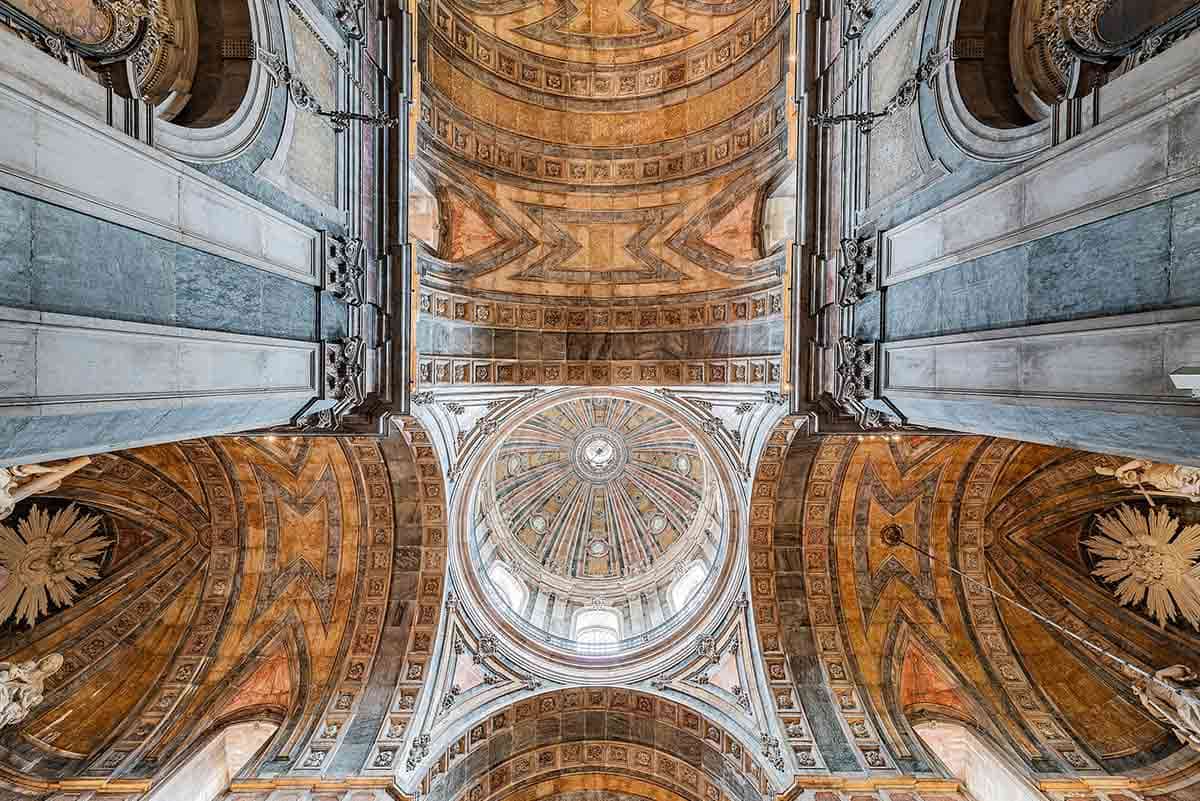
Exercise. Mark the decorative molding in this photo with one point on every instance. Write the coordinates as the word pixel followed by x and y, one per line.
pixel 527 70
pixel 1027 202
pixel 443 371
pixel 172 201
pixel 522 160
pixel 640 317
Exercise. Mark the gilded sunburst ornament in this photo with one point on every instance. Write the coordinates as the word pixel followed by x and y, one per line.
pixel 48 557
pixel 1150 559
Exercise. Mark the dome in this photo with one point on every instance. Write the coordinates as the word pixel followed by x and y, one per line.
pixel 597 523
pixel 598 488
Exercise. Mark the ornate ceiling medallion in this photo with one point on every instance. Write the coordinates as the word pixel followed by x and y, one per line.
pixel 1150 559
pixel 48 559
pixel 599 455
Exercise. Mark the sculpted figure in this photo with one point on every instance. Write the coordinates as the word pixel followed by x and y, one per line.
pixel 22 685
pixel 1175 700
pixel 1157 478
pixel 21 481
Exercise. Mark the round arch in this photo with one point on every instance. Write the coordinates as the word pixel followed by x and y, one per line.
pixel 597 731
pixel 986 102
pixel 230 95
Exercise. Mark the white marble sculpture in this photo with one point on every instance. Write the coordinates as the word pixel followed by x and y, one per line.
pixel 22 685
pixel 1157 478
pixel 21 481
pixel 1173 697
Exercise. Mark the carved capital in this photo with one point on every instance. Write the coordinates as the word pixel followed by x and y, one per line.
pixel 858 270
pixel 858 14
pixel 348 14
pixel 856 369
pixel 857 373
pixel 344 273
pixel 343 382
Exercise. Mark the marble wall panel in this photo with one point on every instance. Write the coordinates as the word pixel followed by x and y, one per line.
pixel 1142 260
pixel 64 261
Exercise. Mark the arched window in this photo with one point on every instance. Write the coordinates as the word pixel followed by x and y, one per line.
pixel 207 773
pixel 976 764
pixel 686 585
pixel 510 587
pixel 598 627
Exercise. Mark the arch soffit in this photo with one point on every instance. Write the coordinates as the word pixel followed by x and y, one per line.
pixel 594 730
pixel 966 131
pixel 231 138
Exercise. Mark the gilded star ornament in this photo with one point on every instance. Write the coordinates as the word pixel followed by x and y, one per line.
pixel 1150 559
pixel 48 559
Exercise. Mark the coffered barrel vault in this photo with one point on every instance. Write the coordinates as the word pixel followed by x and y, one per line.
pixel 611 177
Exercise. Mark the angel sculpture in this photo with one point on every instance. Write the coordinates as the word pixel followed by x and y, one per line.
pixel 1173 697
pixel 1180 481
pixel 22 686
pixel 21 481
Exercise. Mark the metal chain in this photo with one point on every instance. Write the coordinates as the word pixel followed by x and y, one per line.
pixel 342 65
pixel 874 53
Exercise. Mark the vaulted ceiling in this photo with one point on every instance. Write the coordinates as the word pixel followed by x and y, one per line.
pixel 595 165
pixel 302 581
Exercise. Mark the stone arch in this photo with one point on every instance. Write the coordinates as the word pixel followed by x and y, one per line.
pixel 224 60
pixel 595 730
pixel 984 100
pixel 225 107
